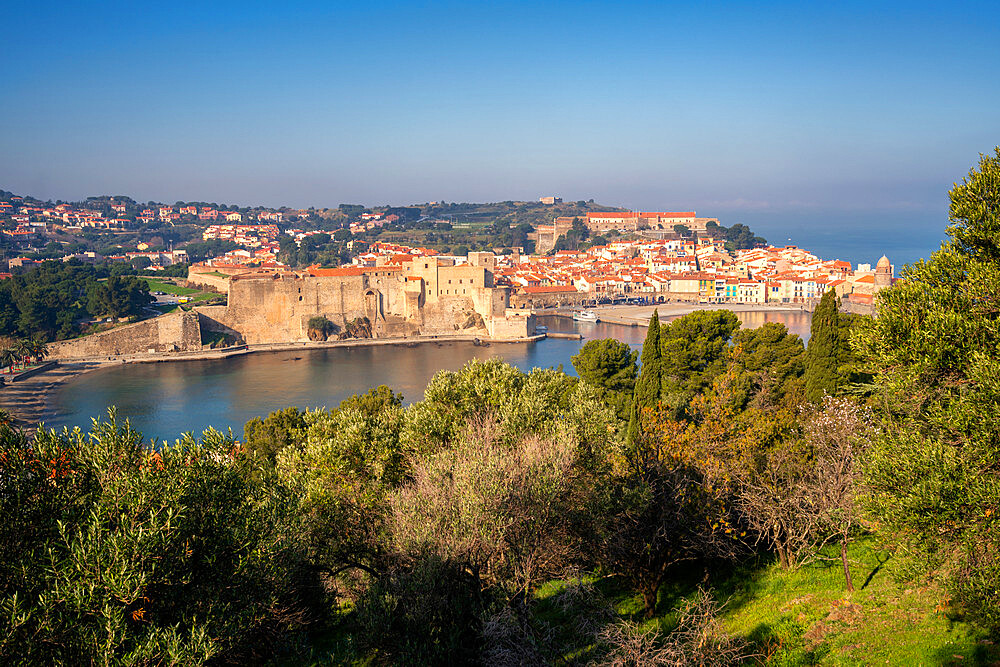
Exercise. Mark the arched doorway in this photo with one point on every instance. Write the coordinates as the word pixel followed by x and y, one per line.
pixel 373 305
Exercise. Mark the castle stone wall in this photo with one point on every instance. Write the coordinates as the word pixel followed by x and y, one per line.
pixel 176 332
pixel 215 283
pixel 513 324
pixel 430 295
pixel 277 309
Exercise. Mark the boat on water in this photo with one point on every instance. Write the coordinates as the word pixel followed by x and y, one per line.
pixel 585 316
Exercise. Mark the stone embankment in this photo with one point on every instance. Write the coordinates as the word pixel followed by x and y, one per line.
pixel 631 316
pixel 175 332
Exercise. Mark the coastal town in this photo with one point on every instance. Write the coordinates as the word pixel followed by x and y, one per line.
pixel 251 278
pixel 576 334
pixel 692 265
pixel 599 257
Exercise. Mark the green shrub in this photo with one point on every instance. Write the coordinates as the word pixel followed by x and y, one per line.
pixel 425 614
pixel 113 552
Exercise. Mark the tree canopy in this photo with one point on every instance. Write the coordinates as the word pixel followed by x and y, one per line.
pixel 693 351
pixel 49 299
pixel 610 366
pixel 934 353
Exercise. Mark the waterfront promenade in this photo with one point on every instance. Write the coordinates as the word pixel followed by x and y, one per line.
pixel 639 315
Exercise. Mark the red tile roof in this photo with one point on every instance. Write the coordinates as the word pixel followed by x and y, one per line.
pixel 548 289
pixel 639 214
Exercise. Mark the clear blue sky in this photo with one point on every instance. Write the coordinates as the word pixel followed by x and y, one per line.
pixel 805 120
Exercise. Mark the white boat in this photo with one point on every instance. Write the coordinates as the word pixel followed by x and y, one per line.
pixel 585 316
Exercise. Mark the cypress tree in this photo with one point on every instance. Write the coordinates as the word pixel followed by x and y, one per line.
pixel 647 387
pixel 826 349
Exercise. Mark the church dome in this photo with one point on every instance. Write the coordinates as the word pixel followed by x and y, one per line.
pixel 883 263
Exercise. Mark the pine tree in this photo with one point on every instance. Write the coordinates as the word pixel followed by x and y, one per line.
pixel 647 387
pixel 827 348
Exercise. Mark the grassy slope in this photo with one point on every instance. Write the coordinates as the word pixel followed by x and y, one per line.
pixel 806 616
pixel 798 617
pixel 170 288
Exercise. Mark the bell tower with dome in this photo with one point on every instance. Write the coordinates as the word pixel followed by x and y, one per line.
pixel 883 273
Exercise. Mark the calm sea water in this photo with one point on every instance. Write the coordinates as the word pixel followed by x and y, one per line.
pixel 165 399
pixel 859 236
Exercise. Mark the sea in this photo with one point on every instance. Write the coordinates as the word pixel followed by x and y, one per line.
pixel 164 400
pixel 855 237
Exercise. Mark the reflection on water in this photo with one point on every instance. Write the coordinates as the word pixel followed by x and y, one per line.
pixel 165 399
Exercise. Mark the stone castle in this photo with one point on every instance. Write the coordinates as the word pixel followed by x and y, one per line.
pixel 421 296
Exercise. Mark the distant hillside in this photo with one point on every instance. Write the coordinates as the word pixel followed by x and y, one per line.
pixel 514 213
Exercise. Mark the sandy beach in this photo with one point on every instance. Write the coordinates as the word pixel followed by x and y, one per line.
pixel 28 400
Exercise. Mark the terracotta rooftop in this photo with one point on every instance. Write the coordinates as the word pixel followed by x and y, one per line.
pixel 549 289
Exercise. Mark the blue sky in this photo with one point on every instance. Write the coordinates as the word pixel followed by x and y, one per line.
pixel 837 124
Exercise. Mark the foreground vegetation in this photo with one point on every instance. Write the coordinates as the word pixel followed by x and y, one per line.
pixel 735 499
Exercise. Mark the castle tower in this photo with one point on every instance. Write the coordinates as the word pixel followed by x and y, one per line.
pixel 883 273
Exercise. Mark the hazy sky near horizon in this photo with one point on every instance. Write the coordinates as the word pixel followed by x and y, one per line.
pixel 810 114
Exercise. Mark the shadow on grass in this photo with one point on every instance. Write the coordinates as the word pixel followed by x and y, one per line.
pixel 784 643
pixel 968 652
pixel 736 585
pixel 878 568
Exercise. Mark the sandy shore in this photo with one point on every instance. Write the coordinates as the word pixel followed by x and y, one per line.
pixel 28 400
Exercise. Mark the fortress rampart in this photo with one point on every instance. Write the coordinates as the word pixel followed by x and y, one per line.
pixel 176 332
pixel 428 295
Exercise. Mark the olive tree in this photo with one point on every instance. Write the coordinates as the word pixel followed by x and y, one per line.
pixel 934 353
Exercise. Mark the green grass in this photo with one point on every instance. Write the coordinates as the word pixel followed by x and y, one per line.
pixel 806 616
pixel 169 288
pixel 204 296
pixel 796 617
